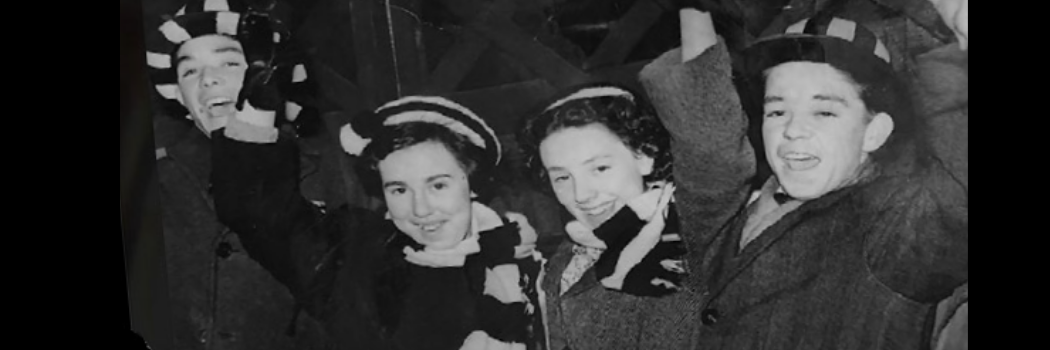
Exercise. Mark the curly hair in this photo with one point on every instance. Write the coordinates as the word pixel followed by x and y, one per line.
pixel 391 139
pixel 632 119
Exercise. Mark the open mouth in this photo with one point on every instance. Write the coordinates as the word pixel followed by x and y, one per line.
pixel 798 161
pixel 219 106
pixel 432 227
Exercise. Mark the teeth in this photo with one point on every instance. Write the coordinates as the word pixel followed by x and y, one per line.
pixel 218 101
pixel 431 227
pixel 798 156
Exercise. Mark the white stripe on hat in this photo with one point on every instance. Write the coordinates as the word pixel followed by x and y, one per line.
pixel 216 5
pixel 797 27
pixel 592 92
pixel 182 11
pixel 157 60
pixel 174 32
pixel 444 102
pixel 436 118
pixel 842 29
pixel 292 110
pixel 299 74
pixel 169 91
pixel 276 37
pixel 226 22
pixel 881 51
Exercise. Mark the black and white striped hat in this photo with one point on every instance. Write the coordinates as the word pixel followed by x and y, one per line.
pixel 227 17
pixel 358 134
pixel 841 43
pixel 593 91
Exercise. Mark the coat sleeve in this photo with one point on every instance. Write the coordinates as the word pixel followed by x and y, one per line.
pixel 919 246
pixel 713 159
pixel 256 190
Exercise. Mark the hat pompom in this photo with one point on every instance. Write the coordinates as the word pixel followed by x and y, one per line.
pixel 352 143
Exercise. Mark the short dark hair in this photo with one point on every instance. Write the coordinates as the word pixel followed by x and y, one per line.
pixel 633 120
pixel 391 139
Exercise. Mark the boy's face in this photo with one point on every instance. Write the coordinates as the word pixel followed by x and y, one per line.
pixel 210 75
pixel 816 128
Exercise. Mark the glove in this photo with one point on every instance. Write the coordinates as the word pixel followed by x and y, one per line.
pixel 259 88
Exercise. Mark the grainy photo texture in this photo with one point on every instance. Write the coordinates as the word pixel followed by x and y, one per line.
pixel 561 174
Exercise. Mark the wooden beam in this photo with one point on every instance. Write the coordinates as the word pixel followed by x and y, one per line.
pixel 625 34
pixel 406 29
pixel 339 91
pixel 457 62
pixel 497 25
pixel 372 48
pixel 503 106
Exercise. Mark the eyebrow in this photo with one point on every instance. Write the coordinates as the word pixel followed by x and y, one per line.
pixel 831 98
pixel 429 179
pixel 438 177
pixel 773 99
pixel 596 158
pixel 221 50
pixel 392 184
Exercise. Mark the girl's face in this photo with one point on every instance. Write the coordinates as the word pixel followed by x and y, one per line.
pixel 593 172
pixel 428 194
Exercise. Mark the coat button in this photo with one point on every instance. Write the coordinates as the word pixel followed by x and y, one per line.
pixel 710 317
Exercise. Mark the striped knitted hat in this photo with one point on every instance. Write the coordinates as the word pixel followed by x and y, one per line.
pixel 428 109
pixel 237 19
pixel 841 43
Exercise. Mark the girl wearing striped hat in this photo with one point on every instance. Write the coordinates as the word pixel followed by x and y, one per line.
pixel 602 152
pixel 437 269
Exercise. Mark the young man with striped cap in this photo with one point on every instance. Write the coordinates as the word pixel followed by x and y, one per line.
pixel 861 229
pixel 230 289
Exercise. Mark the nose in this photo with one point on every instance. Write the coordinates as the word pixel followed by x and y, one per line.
pixel 796 128
pixel 584 193
pixel 210 77
pixel 421 206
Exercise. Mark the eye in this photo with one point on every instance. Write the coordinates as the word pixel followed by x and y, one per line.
pixel 774 114
pixel 396 191
pixel 440 186
pixel 233 64
pixel 559 179
pixel 826 114
pixel 602 168
pixel 188 72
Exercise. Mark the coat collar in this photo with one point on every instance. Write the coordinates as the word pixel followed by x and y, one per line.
pixel 731 261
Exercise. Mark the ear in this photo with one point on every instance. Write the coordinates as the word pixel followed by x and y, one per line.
pixel 877 132
pixel 645 163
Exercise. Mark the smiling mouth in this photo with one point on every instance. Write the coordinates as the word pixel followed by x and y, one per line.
pixel 597 210
pixel 430 228
pixel 798 161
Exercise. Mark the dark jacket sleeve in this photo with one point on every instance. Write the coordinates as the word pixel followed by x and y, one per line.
pixel 920 243
pixel 713 160
pixel 257 195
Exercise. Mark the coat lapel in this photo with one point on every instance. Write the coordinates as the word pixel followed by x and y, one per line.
pixel 558 263
pixel 729 264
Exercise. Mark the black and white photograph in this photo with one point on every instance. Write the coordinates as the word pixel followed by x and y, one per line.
pixel 549 174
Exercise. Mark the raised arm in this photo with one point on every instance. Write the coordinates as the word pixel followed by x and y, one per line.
pixel 920 243
pixel 255 179
pixel 698 103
